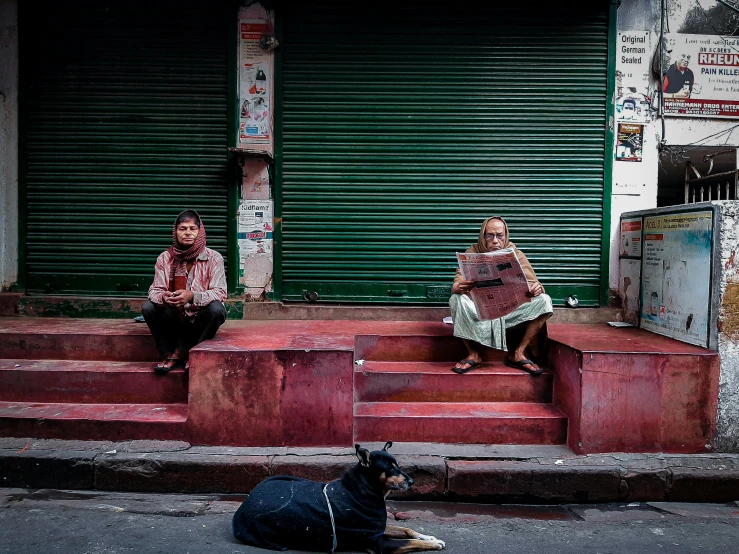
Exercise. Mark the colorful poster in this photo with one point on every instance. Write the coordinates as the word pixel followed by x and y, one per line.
pixel 702 76
pixel 255 78
pixel 631 237
pixel 632 77
pixel 676 275
pixel 628 288
pixel 256 225
pixel 630 142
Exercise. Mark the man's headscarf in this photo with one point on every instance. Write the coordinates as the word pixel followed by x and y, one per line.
pixel 482 246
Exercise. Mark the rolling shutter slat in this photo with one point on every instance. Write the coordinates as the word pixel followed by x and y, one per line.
pixel 405 126
pixel 126 125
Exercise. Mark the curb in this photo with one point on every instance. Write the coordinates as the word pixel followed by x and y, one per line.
pixel 574 479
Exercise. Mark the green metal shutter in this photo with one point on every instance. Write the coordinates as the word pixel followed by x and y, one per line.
pixel 406 124
pixel 125 124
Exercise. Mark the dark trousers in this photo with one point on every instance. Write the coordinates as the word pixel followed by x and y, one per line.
pixel 171 331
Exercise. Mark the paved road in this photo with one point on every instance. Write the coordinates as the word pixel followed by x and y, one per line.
pixel 76 522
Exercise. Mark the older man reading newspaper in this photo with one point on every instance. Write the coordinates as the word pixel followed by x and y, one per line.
pixel 529 318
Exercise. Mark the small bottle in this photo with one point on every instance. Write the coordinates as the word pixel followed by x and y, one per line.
pixel 261 82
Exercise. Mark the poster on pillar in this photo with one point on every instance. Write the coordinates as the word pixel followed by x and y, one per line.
pixel 702 76
pixel 256 225
pixel 632 77
pixel 630 142
pixel 256 240
pixel 676 275
pixel 255 77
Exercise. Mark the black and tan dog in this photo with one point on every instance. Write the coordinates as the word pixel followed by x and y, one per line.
pixel 285 512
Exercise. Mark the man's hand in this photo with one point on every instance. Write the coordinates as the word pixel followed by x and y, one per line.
pixel 179 298
pixel 535 290
pixel 463 287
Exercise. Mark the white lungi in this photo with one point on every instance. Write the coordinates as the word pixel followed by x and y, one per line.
pixel 467 324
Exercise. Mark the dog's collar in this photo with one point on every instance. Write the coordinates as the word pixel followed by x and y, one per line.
pixel 333 524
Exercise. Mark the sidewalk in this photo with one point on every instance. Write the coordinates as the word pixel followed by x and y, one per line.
pixel 501 473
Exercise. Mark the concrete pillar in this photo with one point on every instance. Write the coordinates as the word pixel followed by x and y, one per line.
pixel 8 143
pixel 727 422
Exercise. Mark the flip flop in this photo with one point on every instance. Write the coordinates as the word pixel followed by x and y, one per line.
pixel 472 363
pixel 521 364
pixel 168 365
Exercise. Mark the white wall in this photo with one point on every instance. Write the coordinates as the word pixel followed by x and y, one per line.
pixel 8 143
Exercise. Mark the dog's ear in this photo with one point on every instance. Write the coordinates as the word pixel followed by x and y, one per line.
pixel 363 455
pixel 388 444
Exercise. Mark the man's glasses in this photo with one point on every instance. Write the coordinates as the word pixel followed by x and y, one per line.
pixel 491 236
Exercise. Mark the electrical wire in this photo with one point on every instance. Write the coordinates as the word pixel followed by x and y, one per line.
pixel 697 142
pixel 677 153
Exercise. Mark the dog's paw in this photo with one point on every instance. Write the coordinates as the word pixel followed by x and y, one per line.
pixel 437 544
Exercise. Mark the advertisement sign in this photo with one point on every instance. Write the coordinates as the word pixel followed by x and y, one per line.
pixel 255 68
pixel 630 143
pixel 631 237
pixel 676 275
pixel 632 76
pixel 702 79
pixel 256 225
pixel 629 277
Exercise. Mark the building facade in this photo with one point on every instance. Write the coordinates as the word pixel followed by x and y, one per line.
pixel 348 159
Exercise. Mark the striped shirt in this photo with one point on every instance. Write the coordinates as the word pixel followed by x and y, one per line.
pixel 206 280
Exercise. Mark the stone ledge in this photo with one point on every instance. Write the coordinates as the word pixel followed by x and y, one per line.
pixel 532 482
pixel 47 469
pixel 182 473
pixel 178 468
pixel 704 485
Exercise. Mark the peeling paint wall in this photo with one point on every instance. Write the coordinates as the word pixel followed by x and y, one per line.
pixel 635 184
pixel 8 143
pixel 727 424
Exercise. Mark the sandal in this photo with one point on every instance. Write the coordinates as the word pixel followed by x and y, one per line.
pixel 521 364
pixel 168 365
pixel 462 370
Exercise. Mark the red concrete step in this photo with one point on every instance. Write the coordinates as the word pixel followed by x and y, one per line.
pixel 435 382
pixel 431 347
pixel 76 339
pixel 89 382
pixel 108 422
pixel 460 422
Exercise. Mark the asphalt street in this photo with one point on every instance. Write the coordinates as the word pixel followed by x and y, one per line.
pixel 79 522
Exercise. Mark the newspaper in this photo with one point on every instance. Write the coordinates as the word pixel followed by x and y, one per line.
pixel 501 284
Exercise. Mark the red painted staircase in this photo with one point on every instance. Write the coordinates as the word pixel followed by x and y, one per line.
pixel 402 390
pixel 86 379
pixel 329 383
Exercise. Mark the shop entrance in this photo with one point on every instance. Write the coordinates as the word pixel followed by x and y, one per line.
pixel 405 125
pixel 124 124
